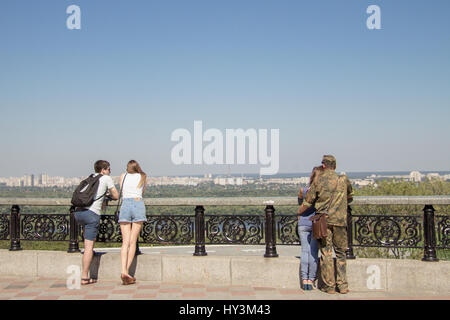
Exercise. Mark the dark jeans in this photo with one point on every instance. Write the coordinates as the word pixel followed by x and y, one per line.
pixel 90 221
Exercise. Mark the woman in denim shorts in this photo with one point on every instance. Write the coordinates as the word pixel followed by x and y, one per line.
pixel 132 215
pixel 309 254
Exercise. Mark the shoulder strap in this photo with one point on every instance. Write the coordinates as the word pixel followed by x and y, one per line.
pixel 98 179
pixel 120 192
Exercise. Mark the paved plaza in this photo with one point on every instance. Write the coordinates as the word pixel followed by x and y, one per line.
pixel 19 288
pixel 40 288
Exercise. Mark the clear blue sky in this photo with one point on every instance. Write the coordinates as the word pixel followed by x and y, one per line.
pixel 137 70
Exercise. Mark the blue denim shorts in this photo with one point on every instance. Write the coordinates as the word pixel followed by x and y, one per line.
pixel 90 221
pixel 132 210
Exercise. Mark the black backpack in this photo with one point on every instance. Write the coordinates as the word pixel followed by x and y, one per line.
pixel 84 194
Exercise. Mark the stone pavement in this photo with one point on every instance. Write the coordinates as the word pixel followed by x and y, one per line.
pixel 20 288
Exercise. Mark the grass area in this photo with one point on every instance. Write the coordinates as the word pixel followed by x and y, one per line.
pixel 385 187
pixel 385 253
pixel 55 245
pixel 403 253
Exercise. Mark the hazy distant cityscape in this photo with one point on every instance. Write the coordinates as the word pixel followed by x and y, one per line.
pixel 357 179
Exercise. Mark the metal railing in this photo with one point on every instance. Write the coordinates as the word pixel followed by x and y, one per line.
pixel 425 231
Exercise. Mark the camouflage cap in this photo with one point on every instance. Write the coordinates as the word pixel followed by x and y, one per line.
pixel 329 160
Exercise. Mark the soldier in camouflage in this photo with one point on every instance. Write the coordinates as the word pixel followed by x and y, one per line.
pixel 331 193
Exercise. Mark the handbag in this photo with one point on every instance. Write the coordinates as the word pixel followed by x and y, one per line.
pixel 319 226
pixel 319 221
pixel 117 213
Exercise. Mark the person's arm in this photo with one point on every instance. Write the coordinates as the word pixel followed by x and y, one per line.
pixel 114 194
pixel 112 189
pixel 121 180
pixel 310 198
pixel 300 196
pixel 349 191
pixel 300 193
pixel 302 209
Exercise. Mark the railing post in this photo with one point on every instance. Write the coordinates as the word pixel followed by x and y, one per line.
pixel 429 234
pixel 138 251
pixel 349 252
pixel 271 249
pixel 14 228
pixel 200 231
pixel 73 232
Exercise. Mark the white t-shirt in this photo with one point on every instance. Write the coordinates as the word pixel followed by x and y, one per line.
pixel 129 187
pixel 105 183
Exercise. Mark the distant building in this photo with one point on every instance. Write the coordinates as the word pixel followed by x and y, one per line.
pixel 433 176
pixel 43 179
pixel 415 176
pixel 28 180
pixel 362 182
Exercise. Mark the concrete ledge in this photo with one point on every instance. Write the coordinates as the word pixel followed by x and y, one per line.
pixel 364 275
pixel 281 272
pixel 19 263
pixel 197 270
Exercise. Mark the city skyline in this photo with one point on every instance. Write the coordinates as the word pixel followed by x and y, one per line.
pixel 117 88
pixel 232 174
pixel 44 180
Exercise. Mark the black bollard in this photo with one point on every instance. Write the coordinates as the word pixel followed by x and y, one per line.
pixel 271 250
pixel 349 252
pixel 73 232
pixel 200 249
pixel 138 251
pixel 429 234
pixel 14 228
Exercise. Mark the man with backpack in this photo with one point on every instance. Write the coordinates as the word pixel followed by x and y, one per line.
pixel 88 201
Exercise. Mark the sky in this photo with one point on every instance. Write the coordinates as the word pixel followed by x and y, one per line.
pixel 116 89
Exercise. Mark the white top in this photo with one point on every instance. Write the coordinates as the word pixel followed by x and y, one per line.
pixel 105 183
pixel 129 187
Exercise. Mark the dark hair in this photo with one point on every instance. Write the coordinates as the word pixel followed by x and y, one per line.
pixel 315 173
pixel 101 164
pixel 329 165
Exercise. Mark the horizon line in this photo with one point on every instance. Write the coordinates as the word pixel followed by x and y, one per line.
pixel 247 173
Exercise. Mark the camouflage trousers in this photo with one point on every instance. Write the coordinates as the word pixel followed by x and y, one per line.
pixel 337 239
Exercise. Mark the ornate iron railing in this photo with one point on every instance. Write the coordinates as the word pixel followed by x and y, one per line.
pixel 443 234
pixel 4 226
pixel 234 229
pixel 387 231
pixel 425 230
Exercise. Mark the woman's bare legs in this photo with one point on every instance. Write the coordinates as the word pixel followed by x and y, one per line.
pixel 125 228
pixel 130 234
pixel 135 231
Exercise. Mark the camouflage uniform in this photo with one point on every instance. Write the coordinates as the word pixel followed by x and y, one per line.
pixel 320 194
